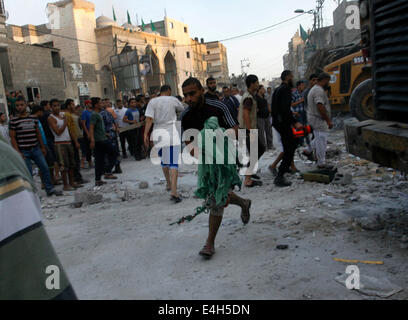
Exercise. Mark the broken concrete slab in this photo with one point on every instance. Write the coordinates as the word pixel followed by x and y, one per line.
pixel 87 198
pixel 343 179
pixel 143 185
pixel 331 201
pixel 371 223
pixel 371 286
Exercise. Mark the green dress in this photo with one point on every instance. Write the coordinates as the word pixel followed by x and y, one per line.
pixel 216 180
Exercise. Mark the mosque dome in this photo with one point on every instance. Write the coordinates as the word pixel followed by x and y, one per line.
pixel 103 21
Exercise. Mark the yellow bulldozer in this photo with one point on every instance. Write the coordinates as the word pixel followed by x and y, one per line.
pixel 351 86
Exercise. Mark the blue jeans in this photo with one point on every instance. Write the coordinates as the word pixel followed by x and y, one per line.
pixel 36 155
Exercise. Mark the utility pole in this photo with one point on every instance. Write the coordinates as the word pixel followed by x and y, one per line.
pixel 245 63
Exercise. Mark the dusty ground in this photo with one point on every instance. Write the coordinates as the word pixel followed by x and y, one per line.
pixel 127 249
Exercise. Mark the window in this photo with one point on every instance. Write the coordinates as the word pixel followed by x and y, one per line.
pixel 56 59
pixel 208 52
pixel 32 93
pixel 185 29
pixel 188 54
pixel 105 91
pixel 171 25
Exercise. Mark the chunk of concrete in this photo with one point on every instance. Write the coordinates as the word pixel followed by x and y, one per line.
pixel 87 198
pixel 143 185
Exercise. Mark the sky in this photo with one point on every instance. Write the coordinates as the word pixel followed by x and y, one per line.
pixel 211 20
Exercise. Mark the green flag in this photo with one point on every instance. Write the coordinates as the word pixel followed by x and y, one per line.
pixel 143 25
pixel 114 15
pixel 152 25
pixel 303 34
pixel 128 16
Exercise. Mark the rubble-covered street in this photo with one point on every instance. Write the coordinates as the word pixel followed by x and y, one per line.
pixel 119 244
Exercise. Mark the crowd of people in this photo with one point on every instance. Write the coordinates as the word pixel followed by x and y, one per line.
pixel 60 137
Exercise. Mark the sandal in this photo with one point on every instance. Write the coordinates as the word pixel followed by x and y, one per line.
pixel 207 252
pixel 176 199
pixel 254 183
pixel 110 177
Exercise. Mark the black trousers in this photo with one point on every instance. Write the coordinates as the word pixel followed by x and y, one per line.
pixel 289 147
pixel 123 139
pixel 85 148
pixel 134 140
pixel 77 167
pixel 102 149
pixel 261 147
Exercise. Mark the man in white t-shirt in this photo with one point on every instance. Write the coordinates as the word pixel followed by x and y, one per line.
pixel 163 111
pixel 319 117
pixel 120 112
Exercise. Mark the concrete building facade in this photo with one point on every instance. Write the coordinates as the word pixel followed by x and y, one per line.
pixel 330 37
pixel 217 62
pixel 84 45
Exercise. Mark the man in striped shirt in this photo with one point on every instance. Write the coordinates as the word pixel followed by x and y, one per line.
pixel 26 140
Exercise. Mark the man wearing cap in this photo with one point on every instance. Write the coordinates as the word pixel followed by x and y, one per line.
pixel 319 117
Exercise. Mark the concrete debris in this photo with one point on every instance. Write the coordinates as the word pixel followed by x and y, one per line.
pixel 328 200
pixel 343 180
pixel 371 223
pixel 143 185
pixel 332 153
pixel 87 198
pixel 371 286
pixel 124 195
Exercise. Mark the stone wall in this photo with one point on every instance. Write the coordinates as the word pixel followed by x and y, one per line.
pixel 31 66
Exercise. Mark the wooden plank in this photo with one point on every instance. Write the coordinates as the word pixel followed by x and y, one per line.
pixel 132 127
pixel 316 177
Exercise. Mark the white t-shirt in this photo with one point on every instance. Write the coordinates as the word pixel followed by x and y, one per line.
pixel 239 97
pixel 163 112
pixel 317 95
pixel 119 120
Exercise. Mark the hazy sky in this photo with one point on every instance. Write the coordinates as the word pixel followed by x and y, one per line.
pixel 211 20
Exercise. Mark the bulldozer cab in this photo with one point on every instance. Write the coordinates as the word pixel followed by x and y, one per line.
pixel 346 74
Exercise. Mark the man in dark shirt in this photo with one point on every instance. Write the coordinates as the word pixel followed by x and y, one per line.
pixel 282 121
pixel 201 109
pixel 263 117
pixel 231 102
pixel 212 89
